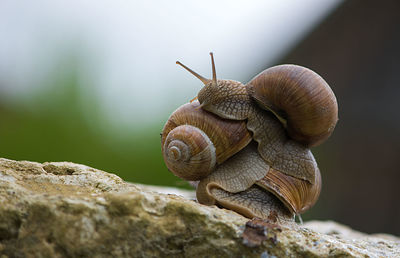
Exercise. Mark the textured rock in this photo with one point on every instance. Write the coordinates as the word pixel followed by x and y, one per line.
pixel 63 209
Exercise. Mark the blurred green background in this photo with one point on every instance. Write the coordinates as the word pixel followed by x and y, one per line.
pixel 94 83
pixel 50 126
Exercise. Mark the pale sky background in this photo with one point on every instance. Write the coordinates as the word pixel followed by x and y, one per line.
pixel 128 49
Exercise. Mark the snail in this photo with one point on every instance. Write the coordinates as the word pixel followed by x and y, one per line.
pixel 247 146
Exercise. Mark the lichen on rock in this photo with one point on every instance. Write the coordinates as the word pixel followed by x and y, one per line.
pixel 62 209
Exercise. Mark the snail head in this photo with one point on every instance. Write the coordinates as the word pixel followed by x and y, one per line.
pixel 209 93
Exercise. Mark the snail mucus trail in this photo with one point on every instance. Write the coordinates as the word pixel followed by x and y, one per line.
pixel 247 146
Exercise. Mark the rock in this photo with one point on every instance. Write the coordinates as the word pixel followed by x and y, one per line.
pixel 62 209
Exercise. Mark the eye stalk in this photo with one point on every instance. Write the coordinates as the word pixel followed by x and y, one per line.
pixel 208 83
pixel 214 73
pixel 198 76
pixel 201 78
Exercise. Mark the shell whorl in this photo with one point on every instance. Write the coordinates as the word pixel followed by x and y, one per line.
pixel 194 141
pixel 298 195
pixel 299 97
pixel 189 152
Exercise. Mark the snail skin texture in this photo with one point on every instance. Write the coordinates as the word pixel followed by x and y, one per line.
pixel 247 146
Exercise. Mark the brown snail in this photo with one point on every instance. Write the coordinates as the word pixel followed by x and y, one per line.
pixel 248 145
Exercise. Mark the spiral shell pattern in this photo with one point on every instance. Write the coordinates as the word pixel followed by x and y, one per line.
pixel 194 141
pixel 190 153
pixel 301 98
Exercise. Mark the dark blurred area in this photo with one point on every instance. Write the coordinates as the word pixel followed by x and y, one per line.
pixel 357 51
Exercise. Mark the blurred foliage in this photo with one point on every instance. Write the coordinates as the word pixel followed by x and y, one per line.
pixel 51 126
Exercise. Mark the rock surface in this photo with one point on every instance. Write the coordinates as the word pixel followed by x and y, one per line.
pixel 62 209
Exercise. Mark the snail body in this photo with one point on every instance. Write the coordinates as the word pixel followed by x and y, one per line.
pixel 256 156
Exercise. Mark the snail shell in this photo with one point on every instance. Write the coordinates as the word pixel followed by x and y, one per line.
pixel 300 98
pixel 194 141
pixel 298 195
